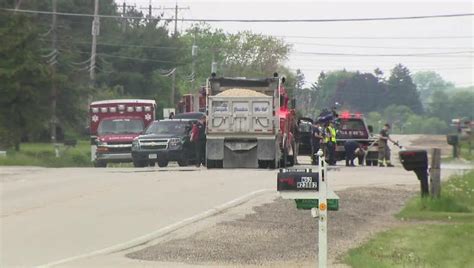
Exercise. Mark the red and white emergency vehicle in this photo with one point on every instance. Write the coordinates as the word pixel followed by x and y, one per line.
pixel 113 126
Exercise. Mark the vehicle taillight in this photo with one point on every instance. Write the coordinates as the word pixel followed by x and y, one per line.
pixel 345 115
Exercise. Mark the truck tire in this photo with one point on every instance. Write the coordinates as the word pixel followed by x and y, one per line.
pixel 101 164
pixel 263 164
pixel 284 159
pixel 139 164
pixel 210 164
pixel 162 163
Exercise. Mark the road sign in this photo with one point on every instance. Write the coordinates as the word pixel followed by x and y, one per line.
pixel 310 191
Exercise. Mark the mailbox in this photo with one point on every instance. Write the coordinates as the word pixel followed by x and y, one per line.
pixel 303 187
pixel 452 139
pixel 414 159
pixel 294 180
pixel 417 161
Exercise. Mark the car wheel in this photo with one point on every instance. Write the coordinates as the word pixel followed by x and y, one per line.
pixel 162 163
pixel 101 164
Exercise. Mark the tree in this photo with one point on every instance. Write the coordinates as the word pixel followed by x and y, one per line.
pixel 401 90
pixel 427 82
pixel 24 75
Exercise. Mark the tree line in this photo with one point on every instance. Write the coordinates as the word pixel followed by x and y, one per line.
pixel 136 58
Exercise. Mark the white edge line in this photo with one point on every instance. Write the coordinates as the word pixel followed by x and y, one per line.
pixel 162 231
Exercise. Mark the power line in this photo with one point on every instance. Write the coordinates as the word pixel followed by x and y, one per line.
pixel 250 20
pixel 432 54
pixel 384 47
pixel 375 37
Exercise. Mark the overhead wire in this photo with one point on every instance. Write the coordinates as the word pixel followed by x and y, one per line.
pixel 247 20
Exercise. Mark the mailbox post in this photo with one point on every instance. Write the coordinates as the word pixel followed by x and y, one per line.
pixel 417 161
pixel 310 191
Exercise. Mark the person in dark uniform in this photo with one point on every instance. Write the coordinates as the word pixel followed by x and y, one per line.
pixel 200 142
pixel 316 139
pixel 384 150
pixel 350 148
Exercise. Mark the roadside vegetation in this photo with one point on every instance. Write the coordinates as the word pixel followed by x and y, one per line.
pixel 439 233
pixel 43 154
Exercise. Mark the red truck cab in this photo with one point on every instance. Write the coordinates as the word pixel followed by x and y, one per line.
pixel 113 126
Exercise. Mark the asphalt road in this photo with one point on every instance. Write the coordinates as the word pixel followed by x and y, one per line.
pixel 57 216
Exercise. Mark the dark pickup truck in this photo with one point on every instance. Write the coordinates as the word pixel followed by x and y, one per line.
pixel 164 141
pixel 353 127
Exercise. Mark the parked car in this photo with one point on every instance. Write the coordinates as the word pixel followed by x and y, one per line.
pixel 164 141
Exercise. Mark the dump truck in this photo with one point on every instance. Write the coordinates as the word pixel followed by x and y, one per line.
pixel 249 123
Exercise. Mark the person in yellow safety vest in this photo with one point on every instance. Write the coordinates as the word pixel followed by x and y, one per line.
pixel 330 140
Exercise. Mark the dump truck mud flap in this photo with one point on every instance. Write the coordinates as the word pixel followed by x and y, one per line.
pixel 240 154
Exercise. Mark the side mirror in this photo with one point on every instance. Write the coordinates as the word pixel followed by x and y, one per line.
pixel 371 129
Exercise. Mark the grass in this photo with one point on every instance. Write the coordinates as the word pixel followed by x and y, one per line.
pixel 447 242
pixel 465 151
pixel 447 245
pixel 43 154
pixel 456 202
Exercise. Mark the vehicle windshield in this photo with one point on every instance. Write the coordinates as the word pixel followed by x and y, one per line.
pixel 120 126
pixel 304 127
pixel 352 128
pixel 167 127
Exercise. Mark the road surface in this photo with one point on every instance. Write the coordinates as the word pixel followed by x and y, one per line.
pixel 60 215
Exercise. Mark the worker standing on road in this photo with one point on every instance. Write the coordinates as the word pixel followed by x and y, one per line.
pixel 331 143
pixel 316 140
pixel 384 150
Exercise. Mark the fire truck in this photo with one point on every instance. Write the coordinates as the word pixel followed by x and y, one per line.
pixel 113 126
pixel 249 131
pixel 192 103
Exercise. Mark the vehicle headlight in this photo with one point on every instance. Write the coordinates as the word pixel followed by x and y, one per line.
pixel 135 144
pixel 174 143
pixel 101 143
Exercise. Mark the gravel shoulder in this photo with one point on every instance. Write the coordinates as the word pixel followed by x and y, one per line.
pixel 276 234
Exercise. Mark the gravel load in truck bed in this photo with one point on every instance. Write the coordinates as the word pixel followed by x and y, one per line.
pixel 240 92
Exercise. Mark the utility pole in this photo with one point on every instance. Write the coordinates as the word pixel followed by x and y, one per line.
pixel 150 9
pixel 53 73
pixel 95 33
pixel 124 9
pixel 175 35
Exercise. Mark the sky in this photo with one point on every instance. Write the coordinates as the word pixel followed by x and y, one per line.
pixel 375 37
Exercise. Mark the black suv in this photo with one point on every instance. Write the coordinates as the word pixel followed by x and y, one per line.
pixel 164 141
